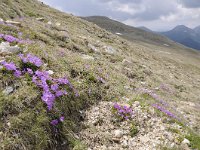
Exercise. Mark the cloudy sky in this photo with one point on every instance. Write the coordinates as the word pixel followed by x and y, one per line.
pixel 158 15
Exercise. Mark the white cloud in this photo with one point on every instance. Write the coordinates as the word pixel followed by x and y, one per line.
pixel 155 14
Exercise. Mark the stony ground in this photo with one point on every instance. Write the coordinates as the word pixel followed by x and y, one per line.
pixel 103 132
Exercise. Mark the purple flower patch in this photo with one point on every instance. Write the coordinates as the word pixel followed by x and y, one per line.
pixel 123 112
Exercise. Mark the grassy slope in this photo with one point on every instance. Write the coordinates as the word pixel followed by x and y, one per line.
pixel 25 121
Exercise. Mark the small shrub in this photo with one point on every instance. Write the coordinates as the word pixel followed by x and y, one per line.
pixel 134 130
pixel 194 140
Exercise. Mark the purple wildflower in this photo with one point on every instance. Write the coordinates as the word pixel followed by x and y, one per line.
pixel 63 81
pixel 54 87
pixel 9 66
pixel 54 122
pixel 124 112
pixel 30 71
pixel 1 35
pixel 17 73
pixel 31 59
pixel 62 118
pixel 60 93
pixel 9 38
pixel 48 98
pixel 162 109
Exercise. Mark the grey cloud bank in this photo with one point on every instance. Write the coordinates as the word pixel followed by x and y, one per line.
pixel 157 15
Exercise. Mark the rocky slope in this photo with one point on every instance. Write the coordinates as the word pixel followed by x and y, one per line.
pixel 102 69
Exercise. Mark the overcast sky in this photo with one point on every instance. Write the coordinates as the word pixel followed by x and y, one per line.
pixel 158 15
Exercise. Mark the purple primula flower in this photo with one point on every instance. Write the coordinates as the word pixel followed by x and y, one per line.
pixel 1 35
pixel 59 93
pixel 31 59
pixel 9 66
pixel 167 112
pixel 30 71
pixel 17 73
pixel 62 118
pixel 124 112
pixel 62 81
pixel 54 87
pixel 54 122
pixel 48 98
pixel 9 38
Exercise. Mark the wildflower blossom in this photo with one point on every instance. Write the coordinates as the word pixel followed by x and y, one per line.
pixel 162 109
pixel 17 73
pixel 30 71
pixel 123 112
pixel 62 118
pixel 29 58
pixel 9 66
pixel 54 122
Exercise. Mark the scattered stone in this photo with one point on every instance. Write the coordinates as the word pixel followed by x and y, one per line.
pixel 93 48
pixel 125 144
pixel 186 141
pixel 144 139
pixel 137 103
pixel 13 22
pixel 118 133
pixel 58 23
pixel 50 72
pixel 109 49
pixel 87 57
pixel 6 49
pixel 63 36
pixel 1 20
pixel 49 22
pixel 126 62
pixel 40 19
pixel 8 90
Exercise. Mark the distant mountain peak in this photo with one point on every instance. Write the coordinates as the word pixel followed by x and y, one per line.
pixel 181 27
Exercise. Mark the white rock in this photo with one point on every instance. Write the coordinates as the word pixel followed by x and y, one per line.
pixel 118 133
pixel 186 141
pixel 93 48
pixel 5 48
pixel 58 24
pixel 49 22
pixel 13 22
pixel 50 72
pixel 124 144
pixel 87 57
pixel 109 49
pixel 40 19
pixel 1 20
pixel 118 33
pixel 137 103
pixel 8 90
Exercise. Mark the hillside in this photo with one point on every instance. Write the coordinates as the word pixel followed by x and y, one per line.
pixel 184 35
pixel 66 83
pixel 131 33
